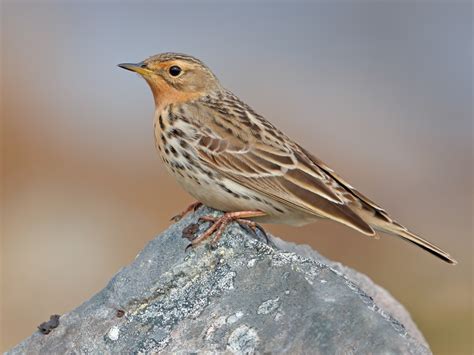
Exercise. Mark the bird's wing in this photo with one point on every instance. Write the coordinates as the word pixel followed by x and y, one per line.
pixel 281 173
pixel 362 199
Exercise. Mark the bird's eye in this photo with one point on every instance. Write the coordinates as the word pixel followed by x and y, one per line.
pixel 175 70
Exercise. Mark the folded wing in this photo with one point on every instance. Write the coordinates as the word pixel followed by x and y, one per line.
pixel 286 175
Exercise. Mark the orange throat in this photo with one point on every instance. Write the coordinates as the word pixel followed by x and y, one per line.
pixel 164 94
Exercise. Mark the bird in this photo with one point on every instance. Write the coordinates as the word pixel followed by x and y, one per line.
pixel 232 159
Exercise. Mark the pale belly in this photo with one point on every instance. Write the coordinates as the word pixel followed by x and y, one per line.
pixel 234 197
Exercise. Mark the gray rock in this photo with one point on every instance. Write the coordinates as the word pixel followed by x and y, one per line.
pixel 244 297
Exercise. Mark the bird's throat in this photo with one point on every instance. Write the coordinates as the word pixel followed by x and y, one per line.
pixel 164 94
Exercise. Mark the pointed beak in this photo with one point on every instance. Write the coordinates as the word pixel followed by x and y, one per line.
pixel 139 68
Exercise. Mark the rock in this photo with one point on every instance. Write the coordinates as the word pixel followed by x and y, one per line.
pixel 246 296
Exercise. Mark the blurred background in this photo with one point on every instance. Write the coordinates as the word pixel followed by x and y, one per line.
pixel 381 91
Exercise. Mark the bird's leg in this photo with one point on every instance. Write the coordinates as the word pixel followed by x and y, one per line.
pixel 220 224
pixel 191 208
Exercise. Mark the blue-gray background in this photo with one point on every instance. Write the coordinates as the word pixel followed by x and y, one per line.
pixel 381 91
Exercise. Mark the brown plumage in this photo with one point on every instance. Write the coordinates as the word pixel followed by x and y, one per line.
pixel 230 158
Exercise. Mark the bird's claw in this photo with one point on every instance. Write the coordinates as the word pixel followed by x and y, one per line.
pixel 253 227
pixel 191 208
pixel 220 223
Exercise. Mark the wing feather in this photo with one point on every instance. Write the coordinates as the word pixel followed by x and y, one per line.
pixel 280 175
pixel 381 213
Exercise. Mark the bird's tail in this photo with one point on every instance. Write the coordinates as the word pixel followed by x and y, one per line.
pixel 405 234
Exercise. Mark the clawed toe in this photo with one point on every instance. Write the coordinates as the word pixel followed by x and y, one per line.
pixel 252 227
pixel 191 208
pixel 219 224
pixel 208 219
pixel 264 233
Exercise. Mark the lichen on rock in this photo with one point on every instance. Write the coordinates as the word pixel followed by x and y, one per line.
pixel 246 296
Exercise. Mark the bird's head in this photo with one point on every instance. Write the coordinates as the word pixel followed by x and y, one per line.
pixel 175 78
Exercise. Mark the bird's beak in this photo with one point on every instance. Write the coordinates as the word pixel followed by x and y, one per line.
pixel 135 67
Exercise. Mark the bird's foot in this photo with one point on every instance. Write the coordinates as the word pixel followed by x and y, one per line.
pixel 191 208
pixel 219 224
pixel 252 227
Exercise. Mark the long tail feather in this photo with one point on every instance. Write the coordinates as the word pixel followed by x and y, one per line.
pixel 431 248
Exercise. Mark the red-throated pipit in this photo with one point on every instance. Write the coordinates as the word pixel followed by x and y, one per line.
pixel 232 159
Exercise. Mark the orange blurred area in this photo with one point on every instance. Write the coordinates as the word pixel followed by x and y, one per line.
pixel 381 92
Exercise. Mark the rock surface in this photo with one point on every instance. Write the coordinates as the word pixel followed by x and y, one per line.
pixel 244 297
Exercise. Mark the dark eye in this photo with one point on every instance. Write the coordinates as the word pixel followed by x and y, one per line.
pixel 175 70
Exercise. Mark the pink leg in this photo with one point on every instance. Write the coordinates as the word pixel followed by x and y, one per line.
pixel 191 208
pixel 220 224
